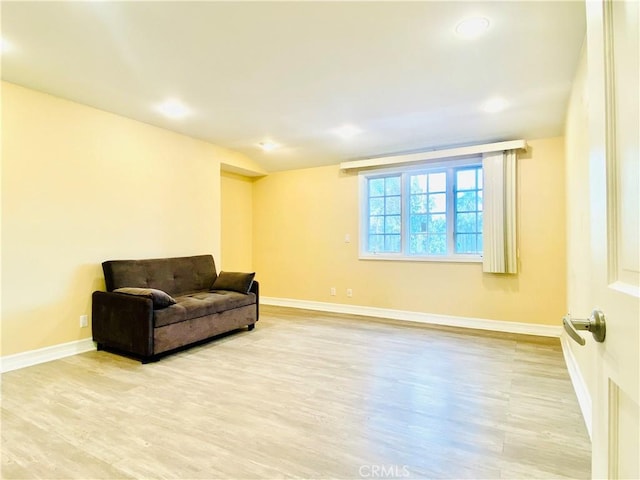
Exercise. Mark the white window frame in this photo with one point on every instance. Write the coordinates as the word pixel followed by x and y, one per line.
pixel 404 172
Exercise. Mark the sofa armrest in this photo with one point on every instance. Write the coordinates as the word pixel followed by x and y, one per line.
pixel 124 322
pixel 255 288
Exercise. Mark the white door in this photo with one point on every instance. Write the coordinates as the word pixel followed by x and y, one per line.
pixel 614 159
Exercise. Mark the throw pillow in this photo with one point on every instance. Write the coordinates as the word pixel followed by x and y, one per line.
pixel 160 299
pixel 234 281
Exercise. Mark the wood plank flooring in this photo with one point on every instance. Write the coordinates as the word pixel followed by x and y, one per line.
pixel 304 395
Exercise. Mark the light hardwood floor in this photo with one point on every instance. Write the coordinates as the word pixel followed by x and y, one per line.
pixel 304 395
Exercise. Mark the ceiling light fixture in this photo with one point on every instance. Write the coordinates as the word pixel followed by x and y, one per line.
pixel 347 131
pixel 268 145
pixel 472 27
pixel 173 108
pixel 494 105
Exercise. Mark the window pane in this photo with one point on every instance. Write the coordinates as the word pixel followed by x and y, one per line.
pixel 376 224
pixel 438 182
pixel 418 223
pixel 466 179
pixel 466 223
pixel 392 185
pixel 376 206
pixel 376 187
pixel 466 243
pixel 466 201
pixel 376 243
pixel 392 224
pixel 437 244
pixel 418 244
pixel 418 204
pixel 419 183
pixel 437 223
pixel 393 206
pixel 438 203
pixel 392 243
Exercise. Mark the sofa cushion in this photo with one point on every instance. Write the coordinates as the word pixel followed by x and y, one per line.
pixel 160 299
pixel 201 304
pixel 173 314
pixel 176 276
pixel 234 281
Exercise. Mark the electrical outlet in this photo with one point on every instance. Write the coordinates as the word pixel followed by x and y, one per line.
pixel 347 238
pixel 84 321
pixel 349 292
pixel 332 291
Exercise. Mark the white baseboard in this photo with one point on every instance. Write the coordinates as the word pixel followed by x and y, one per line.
pixel 579 385
pixel 46 354
pixel 435 319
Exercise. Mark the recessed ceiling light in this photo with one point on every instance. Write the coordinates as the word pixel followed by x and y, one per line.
pixel 494 105
pixel 472 27
pixel 347 131
pixel 173 108
pixel 268 145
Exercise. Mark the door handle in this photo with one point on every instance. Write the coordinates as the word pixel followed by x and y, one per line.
pixel 594 324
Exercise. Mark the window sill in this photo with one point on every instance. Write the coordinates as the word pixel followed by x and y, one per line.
pixel 440 259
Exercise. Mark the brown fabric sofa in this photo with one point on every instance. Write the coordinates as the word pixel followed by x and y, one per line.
pixel 146 323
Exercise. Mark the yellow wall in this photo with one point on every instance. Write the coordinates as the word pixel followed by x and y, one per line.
pixel 301 218
pixel 80 186
pixel 237 223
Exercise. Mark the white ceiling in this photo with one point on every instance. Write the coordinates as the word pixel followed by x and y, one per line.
pixel 294 71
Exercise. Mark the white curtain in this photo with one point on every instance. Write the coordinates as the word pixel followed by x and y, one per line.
pixel 499 206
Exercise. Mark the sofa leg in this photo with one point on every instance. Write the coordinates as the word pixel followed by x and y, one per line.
pixel 251 327
pixel 99 346
pixel 151 359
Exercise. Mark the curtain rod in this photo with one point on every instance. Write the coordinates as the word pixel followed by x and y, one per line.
pixel 433 155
